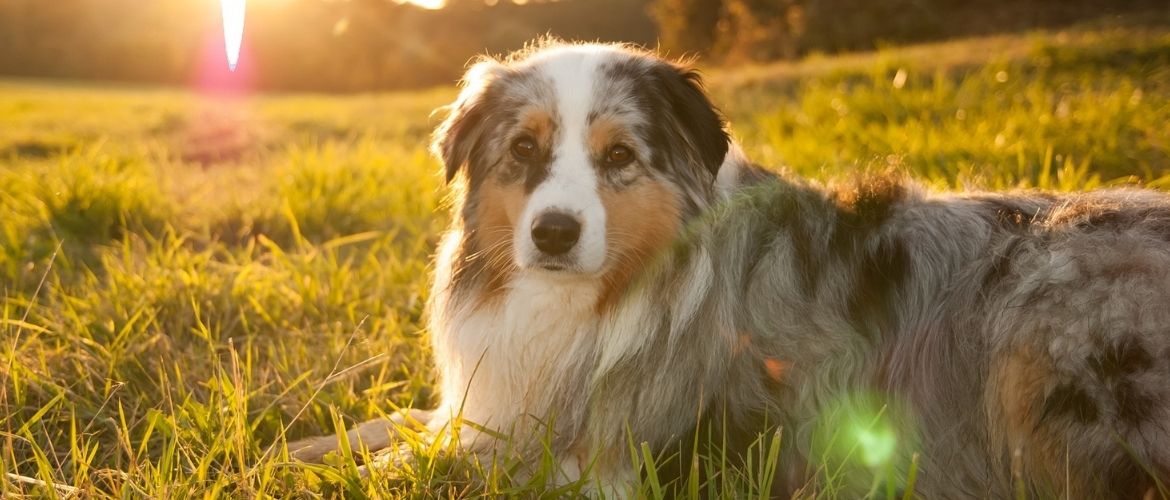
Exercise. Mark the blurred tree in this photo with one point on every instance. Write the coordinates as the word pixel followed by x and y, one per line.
pixel 835 25
pixel 760 30
pixel 687 26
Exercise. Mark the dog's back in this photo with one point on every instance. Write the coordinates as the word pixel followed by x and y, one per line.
pixel 1025 337
pixel 1078 327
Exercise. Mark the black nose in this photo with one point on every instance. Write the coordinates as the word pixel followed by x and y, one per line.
pixel 555 233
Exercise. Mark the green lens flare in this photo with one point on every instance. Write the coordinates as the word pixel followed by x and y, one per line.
pixel 876 445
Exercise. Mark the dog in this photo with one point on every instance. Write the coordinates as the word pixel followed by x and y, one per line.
pixel 618 272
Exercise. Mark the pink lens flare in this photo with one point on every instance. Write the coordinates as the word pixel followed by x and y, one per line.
pixel 212 77
pixel 233 29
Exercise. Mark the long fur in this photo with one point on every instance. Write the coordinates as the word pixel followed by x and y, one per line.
pixel 1011 340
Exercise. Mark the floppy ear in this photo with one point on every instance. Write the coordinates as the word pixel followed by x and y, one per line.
pixel 693 115
pixel 461 134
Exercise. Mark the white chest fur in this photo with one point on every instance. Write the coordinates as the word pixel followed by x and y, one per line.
pixel 509 358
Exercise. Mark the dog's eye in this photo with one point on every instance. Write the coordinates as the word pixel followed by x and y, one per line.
pixel 618 155
pixel 524 148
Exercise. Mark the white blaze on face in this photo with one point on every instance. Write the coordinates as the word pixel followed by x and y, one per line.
pixel 571 185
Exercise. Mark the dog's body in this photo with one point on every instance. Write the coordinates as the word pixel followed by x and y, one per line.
pixel 617 272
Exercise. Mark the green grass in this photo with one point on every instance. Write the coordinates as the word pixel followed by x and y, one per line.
pixel 185 280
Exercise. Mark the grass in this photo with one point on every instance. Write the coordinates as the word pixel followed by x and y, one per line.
pixel 186 280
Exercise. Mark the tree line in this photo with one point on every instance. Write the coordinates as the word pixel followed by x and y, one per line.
pixel 762 30
pixel 360 45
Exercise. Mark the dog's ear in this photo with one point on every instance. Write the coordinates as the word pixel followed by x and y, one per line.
pixel 693 115
pixel 462 132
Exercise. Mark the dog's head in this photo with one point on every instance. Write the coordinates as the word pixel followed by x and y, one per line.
pixel 580 160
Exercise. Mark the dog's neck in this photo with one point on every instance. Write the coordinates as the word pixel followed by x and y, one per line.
pixel 512 358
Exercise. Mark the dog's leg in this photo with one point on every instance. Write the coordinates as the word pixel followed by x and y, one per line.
pixel 373 434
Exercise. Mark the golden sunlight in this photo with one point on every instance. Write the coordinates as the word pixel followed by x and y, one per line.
pixel 233 30
pixel 426 4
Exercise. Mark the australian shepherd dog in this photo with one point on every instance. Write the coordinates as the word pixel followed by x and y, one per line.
pixel 618 273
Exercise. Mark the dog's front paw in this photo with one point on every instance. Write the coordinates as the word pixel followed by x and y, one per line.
pixel 373 435
pixel 314 449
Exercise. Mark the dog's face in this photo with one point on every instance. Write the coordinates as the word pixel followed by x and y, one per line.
pixel 579 160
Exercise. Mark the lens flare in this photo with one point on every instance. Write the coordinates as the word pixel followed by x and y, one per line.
pixel 429 4
pixel 233 30
pixel 877 445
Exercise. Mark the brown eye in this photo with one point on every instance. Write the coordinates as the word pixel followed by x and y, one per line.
pixel 524 148
pixel 618 155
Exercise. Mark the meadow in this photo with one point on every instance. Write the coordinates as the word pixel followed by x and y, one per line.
pixel 186 280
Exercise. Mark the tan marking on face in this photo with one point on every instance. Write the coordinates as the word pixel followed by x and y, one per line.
pixel 607 131
pixel 641 221
pixel 498 210
pixel 539 124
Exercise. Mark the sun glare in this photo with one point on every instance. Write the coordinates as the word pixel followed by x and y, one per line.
pixel 427 4
pixel 233 30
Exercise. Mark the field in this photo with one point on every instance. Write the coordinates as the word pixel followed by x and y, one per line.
pixel 186 280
